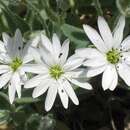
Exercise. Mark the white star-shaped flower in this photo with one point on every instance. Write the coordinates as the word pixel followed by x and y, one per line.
pixel 111 55
pixel 57 73
pixel 13 56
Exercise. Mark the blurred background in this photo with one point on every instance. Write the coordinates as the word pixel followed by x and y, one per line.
pixel 98 109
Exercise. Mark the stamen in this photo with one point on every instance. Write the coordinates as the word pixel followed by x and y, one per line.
pixel 113 56
pixel 16 63
pixel 56 71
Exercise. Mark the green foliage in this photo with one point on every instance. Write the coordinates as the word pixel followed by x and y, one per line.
pixel 64 17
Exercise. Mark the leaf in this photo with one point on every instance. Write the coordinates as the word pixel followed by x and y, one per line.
pixel 124 7
pixel 98 7
pixel 14 21
pixel 76 35
pixel 26 100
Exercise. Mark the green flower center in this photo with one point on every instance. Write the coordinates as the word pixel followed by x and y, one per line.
pixel 113 56
pixel 56 71
pixel 16 63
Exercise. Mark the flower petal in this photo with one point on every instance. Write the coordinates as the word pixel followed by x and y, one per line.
pixel 124 72
pixel 56 45
pixel 81 84
pixel 34 68
pixel 77 73
pixel 23 76
pixel 4 79
pixel 47 57
pixel 93 71
pixel 41 88
pixel 89 53
pixel 118 32
pixel 64 51
pixel 11 92
pixel 126 44
pixel 2 47
pixel 18 43
pixel 35 41
pixel 69 90
pixel 114 83
pixel 63 95
pixel 15 81
pixel 35 81
pixel 4 69
pixel 105 32
pixel 9 44
pixel 95 38
pixel 109 78
pixel 73 62
pixel 46 43
pixel 97 62
pixel 50 98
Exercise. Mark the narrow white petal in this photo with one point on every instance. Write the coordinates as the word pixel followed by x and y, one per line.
pixel 69 90
pixel 4 58
pixel 41 88
pixel 95 38
pixel 124 72
pixel 2 47
pixel 114 83
pixel 18 43
pixel 50 98
pixel 4 79
pixel 11 92
pixel 109 76
pixel 77 73
pixel 63 95
pixel 9 44
pixel 35 81
pixel 32 54
pixel 4 69
pixel 126 57
pixel 35 41
pixel 93 71
pixel 15 81
pixel 64 51
pixel 27 59
pixel 46 43
pixel 34 68
pixel 56 45
pixel 81 84
pixel 23 76
pixel 105 32
pixel 118 32
pixel 47 57
pixel 89 53
pixel 6 38
pixel 73 62
pixel 96 62
pixel 126 44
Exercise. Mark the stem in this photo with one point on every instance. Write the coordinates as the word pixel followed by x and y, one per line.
pixel 12 106
pixel 98 7
pixel 112 121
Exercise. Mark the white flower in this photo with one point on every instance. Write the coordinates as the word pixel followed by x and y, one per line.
pixel 57 73
pixel 111 55
pixel 13 56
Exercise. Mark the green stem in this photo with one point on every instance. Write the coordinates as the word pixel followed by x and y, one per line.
pixel 12 106
pixel 98 7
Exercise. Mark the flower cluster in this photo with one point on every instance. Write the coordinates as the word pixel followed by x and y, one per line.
pixel 54 72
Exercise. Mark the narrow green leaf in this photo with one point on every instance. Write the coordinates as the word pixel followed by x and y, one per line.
pixel 26 100
pixel 124 7
pixel 98 7
pixel 76 35
pixel 14 21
